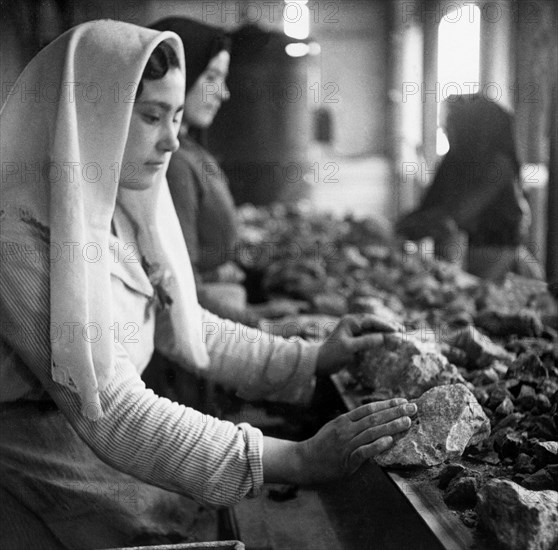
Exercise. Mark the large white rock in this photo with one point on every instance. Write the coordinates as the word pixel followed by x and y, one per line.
pixel 449 418
pixel 519 519
pixel 407 367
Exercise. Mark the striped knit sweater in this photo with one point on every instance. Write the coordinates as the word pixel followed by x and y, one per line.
pixel 149 437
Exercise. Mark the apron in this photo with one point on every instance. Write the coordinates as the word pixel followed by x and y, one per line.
pixel 56 494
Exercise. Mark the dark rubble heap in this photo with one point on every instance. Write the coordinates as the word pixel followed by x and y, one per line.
pixel 501 342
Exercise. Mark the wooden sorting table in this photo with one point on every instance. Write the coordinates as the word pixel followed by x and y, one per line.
pixel 373 509
pixel 426 499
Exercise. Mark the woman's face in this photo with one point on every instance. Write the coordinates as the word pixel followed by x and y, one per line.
pixel 154 126
pixel 209 91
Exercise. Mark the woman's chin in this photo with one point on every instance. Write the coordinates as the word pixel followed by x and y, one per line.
pixel 140 183
pixel 203 121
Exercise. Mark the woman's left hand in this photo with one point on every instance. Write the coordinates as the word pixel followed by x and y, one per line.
pixel 354 333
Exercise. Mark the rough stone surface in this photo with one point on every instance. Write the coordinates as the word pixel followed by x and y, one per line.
pixel 480 349
pixel 501 323
pixel 330 303
pixel 527 397
pixel 462 491
pixel 448 473
pixel 519 519
pixel 546 452
pixel 540 480
pixel 371 304
pixel 528 367
pixel 505 408
pixel 449 419
pixel 408 368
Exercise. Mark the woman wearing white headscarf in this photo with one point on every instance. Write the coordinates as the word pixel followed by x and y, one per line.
pixel 90 251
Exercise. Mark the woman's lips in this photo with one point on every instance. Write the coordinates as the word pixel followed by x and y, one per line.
pixel 156 165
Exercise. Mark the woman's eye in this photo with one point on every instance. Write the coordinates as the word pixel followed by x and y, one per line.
pixel 151 119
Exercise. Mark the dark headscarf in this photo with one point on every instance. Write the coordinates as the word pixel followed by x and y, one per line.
pixel 479 132
pixel 478 129
pixel 201 43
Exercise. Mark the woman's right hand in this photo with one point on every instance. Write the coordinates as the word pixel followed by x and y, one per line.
pixel 340 447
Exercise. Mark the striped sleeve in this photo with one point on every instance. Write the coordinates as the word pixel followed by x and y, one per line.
pixel 258 364
pixel 157 441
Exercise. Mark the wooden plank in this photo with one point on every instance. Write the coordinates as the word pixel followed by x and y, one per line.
pixel 364 512
pixel 300 522
pixel 427 501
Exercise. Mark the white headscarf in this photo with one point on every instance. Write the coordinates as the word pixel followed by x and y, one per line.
pixel 64 130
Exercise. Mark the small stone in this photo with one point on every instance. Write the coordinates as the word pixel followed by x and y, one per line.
pixel 488 412
pixel 454 355
pixel 511 421
pixel 461 491
pixel 552 469
pixel 480 349
pixel 519 519
pixel 524 464
pixel 527 367
pixel 329 303
pixel 513 385
pixel 540 481
pixel 497 395
pixel 469 518
pixel 481 395
pixel 511 444
pixel 505 408
pixel 500 368
pixel 546 452
pixel 518 478
pixel 542 403
pixel 485 376
pixel 449 419
pixel 448 473
pixel 525 322
pixel 490 458
pixel 376 306
pixel 542 426
pixel 527 397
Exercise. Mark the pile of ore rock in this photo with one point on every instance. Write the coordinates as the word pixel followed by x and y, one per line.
pixel 480 360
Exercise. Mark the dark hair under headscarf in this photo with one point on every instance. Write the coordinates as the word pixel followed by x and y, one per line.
pixel 201 43
pixel 478 127
pixel 478 131
pixel 160 61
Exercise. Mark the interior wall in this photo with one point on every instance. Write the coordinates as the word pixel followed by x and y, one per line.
pixel 498 51
pixel 406 71
pixel 536 31
pixel 351 77
pixel 536 71
pixel 354 53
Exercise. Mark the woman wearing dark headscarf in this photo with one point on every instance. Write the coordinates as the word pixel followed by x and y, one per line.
pixel 199 188
pixel 476 190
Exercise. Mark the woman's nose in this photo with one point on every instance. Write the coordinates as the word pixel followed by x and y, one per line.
pixel 225 92
pixel 169 142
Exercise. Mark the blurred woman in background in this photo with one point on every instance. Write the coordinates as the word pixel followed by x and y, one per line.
pixel 477 191
pixel 198 185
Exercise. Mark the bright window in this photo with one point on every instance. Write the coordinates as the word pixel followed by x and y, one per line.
pixel 458 60
pixel 296 19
